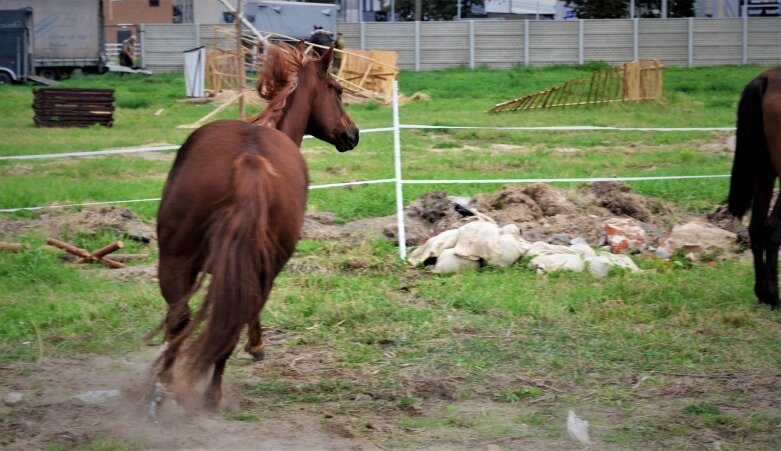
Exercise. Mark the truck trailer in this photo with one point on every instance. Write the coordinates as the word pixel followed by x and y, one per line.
pixel 66 35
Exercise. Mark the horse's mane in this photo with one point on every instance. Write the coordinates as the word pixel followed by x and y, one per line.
pixel 278 79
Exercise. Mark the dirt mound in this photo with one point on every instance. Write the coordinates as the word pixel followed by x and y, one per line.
pixel 522 203
pixel 619 199
pixel 543 213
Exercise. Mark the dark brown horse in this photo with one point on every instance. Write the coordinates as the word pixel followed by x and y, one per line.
pixel 756 167
pixel 233 207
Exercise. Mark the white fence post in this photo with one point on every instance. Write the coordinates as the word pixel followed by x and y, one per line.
pixel 397 168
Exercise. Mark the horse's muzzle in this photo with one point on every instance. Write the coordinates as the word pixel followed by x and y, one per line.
pixel 348 140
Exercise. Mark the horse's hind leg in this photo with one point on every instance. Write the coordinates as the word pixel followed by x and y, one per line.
pixel 771 259
pixel 255 346
pixel 177 278
pixel 213 394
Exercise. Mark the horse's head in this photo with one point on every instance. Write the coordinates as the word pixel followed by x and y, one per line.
pixel 304 98
pixel 328 119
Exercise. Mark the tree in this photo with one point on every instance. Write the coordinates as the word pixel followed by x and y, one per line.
pixel 433 9
pixel 599 9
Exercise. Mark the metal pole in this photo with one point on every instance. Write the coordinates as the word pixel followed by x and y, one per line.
pixel 664 9
pixel 458 9
pixel 537 13
pixel 397 168
pixel 393 11
pixel 632 9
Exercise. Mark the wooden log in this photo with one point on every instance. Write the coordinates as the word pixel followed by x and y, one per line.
pixel 105 250
pixel 84 254
pixel 11 247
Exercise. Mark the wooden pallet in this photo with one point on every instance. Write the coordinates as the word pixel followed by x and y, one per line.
pixel 634 81
pixel 61 107
pixel 368 74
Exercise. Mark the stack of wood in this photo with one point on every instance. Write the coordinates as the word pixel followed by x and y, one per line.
pixel 61 107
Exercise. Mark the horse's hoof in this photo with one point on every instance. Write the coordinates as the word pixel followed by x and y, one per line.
pixel 259 356
pixel 258 352
pixel 155 405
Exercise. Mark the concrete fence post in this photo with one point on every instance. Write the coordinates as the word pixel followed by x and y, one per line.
pixel 690 40
pixel 581 44
pixel 471 44
pixel 745 39
pixel 417 45
pixel 363 35
pixel 635 39
pixel 526 42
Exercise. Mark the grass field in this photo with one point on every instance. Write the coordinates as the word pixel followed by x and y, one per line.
pixel 677 356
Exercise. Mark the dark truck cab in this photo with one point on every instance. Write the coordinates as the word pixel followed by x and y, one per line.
pixel 15 50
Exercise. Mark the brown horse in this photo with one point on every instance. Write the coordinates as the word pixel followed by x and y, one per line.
pixel 233 207
pixel 755 169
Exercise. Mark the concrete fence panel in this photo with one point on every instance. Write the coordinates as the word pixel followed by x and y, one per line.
pixel 718 42
pixel 608 40
pixel 503 44
pixel 764 40
pixel 553 42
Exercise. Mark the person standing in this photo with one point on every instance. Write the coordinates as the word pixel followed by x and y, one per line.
pixel 127 54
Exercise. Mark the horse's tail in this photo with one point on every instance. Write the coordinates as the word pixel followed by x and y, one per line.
pixel 240 262
pixel 750 147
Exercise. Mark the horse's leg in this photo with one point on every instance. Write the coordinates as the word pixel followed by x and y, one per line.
pixel 771 259
pixel 177 278
pixel 255 346
pixel 213 393
pixel 758 233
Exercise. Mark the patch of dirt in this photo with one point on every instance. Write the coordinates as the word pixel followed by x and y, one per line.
pixel 91 221
pixel 543 213
pixel 49 414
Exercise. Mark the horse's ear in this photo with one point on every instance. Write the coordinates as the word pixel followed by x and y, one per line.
pixel 301 46
pixel 326 57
